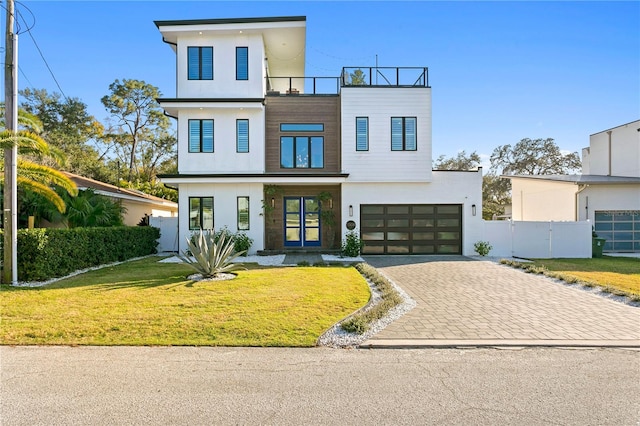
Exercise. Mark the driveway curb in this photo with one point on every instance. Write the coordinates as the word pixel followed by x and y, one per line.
pixel 454 343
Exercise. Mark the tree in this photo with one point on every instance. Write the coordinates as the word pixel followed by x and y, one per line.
pixel 67 126
pixel 534 157
pixel 358 78
pixel 495 195
pixel 142 130
pixel 34 177
pixel 461 162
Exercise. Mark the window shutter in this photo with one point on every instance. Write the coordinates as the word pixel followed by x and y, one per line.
pixel 396 134
pixel 207 63
pixel 362 136
pixel 242 63
pixel 410 133
pixel 242 135
pixel 193 62
pixel 207 135
pixel 194 135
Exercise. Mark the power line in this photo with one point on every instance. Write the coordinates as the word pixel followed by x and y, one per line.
pixel 28 31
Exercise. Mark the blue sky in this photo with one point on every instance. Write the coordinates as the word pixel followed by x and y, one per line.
pixel 499 71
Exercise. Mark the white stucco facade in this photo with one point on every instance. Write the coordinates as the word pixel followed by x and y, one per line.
pixel 378 175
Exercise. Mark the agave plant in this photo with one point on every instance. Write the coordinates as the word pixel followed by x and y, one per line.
pixel 211 257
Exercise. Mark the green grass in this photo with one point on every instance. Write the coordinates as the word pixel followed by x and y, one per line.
pixel 149 303
pixel 618 275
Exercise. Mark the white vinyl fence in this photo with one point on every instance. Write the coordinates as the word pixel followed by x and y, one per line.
pixel 168 226
pixel 539 240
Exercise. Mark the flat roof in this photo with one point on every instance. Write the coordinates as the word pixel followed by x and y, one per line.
pixel 579 179
pixel 229 21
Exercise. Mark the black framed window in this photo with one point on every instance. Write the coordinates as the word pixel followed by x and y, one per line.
pixel 302 152
pixel 362 133
pixel 200 213
pixel 200 135
pixel 403 134
pixel 242 135
pixel 243 213
pixel 200 62
pixel 242 63
pixel 302 127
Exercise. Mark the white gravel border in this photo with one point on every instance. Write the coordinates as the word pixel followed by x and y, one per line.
pixel 336 337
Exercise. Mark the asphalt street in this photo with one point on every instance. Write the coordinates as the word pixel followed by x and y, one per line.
pixel 198 386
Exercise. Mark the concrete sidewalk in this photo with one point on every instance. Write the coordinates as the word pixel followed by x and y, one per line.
pixel 466 302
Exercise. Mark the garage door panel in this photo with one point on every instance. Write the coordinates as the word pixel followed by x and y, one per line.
pixel 411 228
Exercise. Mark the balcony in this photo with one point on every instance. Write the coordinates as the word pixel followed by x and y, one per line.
pixel 350 77
pixel 385 76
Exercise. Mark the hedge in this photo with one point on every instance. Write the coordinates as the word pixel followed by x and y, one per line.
pixel 46 253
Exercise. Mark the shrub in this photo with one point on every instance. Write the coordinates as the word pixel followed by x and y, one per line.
pixel 352 245
pixel 49 253
pixel 482 248
pixel 213 253
pixel 359 323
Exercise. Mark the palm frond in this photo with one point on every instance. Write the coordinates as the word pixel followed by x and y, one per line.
pixel 43 190
pixel 46 175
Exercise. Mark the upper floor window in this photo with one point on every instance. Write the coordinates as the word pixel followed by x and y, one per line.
pixel 403 134
pixel 200 63
pixel 200 213
pixel 242 63
pixel 242 135
pixel 243 213
pixel 362 133
pixel 302 127
pixel 301 152
pixel 200 135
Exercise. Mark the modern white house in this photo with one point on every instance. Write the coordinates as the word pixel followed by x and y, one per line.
pixel 607 193
pixel 295 161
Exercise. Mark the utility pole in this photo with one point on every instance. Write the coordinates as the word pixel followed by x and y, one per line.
pixel 10 217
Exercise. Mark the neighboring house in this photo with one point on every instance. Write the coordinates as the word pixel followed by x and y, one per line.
pixel 137 203
pixel 607 193
pixel 296 161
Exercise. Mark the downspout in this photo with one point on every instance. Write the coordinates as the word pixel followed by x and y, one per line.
pixel 609 133
pixel 580 189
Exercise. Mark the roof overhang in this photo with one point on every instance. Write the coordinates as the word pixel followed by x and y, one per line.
pixel 265 178
pixel 284 37
pixel 580 179
pixel 173 105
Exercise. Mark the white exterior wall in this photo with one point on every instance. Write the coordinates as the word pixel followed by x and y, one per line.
pixel 538 240
pixel 608 197
pixel 625 152
pixel 533 199
pixel 224 158
pixel 447 188
pixel 224 83
pixel 379 163
pixel 225 209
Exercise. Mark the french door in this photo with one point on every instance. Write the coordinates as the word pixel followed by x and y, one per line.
pixel 301 222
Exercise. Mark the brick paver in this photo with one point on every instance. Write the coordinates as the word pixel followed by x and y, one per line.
pixel 463 301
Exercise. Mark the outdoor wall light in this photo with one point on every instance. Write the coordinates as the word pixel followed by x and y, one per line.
pixel 473 209
pixel 330 203
pixel 273 202
pixel 350 211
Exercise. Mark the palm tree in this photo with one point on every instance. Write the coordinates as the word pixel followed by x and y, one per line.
pixel 32 176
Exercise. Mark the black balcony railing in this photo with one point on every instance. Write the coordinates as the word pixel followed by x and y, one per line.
pixel 350 76
pixel 385 76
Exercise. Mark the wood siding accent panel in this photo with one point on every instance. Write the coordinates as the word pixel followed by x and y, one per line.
pixel 274 223
pixel 292 109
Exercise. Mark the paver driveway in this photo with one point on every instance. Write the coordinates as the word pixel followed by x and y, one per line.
pixel 462 301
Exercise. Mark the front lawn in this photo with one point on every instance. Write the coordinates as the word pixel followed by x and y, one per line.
pixel 616 274
pixel 149 303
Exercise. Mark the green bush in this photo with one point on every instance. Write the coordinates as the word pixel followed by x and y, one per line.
pixel 352 245
pixel 482 248
pixel 46 253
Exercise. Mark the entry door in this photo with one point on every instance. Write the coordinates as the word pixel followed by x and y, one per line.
pixel 301 222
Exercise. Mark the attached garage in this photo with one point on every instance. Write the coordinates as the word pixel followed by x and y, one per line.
pixel 411 228
pixel 620 229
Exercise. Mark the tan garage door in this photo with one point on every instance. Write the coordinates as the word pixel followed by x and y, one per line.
pixel 411 228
